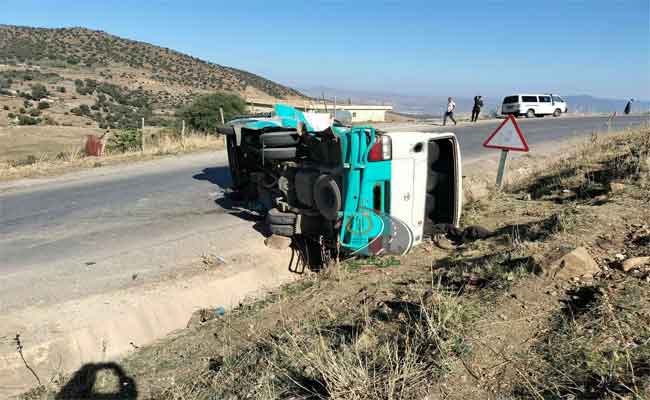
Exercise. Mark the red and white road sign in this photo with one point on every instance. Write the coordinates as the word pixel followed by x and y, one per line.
pixel 507 136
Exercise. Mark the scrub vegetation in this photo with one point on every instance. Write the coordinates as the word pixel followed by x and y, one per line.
pixel 93 82
pixel 492 318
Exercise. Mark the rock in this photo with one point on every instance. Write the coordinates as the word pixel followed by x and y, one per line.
pixel 634 263
pixel 277 242
pixel 615 187
pixel 619 257
pixel 443 242
pixel 199 317
pixel 574 264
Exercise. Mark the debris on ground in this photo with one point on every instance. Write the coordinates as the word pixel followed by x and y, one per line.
pixel 577 263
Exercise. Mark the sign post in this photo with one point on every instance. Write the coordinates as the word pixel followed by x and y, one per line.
pixel 502 167
pixel 506 137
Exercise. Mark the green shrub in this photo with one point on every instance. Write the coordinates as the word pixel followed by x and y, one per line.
pixel 27 120
pixel 125 140
pixel 11 115
pixel 81 110
pixel 61 89
pixel 21 110
pixel 39 91
pixel 34 112
pixel 42 105
pixel 5 107
pixel 203 114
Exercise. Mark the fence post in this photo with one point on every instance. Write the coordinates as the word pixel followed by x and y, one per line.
pixel 223 121
pixel 142 137
pixel 183 133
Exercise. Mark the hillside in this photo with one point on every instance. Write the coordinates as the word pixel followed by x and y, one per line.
pixel 81 77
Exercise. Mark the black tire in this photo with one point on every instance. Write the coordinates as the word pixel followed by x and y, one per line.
pixel 282 230
pixel 276 217
pixel 327 197
pixel 279 153
pixel 233 162
pixel 530 113
pixel 279 139
pixel 557 112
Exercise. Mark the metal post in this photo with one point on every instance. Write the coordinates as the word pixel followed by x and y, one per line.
pixel 183 133
pixel 502 168
pixel 142 136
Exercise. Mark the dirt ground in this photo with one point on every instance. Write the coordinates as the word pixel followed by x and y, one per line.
pixel 540 304
pixel 20 142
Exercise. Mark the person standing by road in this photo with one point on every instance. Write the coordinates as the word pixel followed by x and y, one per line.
pixel 628 107
pixel 476 110
pixel 451 106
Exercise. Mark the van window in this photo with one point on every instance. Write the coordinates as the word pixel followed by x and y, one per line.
pixel 529 99
pixel 544 99
pixel 558 99
pixel 511 99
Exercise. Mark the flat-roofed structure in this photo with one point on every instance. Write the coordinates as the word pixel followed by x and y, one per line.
pixel 359 112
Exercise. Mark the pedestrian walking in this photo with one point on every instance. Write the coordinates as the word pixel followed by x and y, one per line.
pixel 476 110
pixel 451 106
pixel 628 107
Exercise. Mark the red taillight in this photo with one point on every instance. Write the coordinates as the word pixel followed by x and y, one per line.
pixel 381 150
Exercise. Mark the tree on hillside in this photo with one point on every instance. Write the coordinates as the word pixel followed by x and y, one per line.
pixel 203 113
pixel 39 91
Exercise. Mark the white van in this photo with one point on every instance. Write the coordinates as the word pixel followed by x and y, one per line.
pixel 533 105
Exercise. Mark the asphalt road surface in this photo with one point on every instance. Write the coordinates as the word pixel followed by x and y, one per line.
pixel 98 230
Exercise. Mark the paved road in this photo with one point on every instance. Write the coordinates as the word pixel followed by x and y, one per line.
pixel 537 130
pixel 91 232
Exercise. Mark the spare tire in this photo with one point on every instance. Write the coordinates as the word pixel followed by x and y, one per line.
pixel 278 217
pixel 279 139
pixel 327 197
pixel 279 153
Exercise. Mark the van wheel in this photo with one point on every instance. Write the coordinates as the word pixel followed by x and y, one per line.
pixel 557 112
pixel 530 113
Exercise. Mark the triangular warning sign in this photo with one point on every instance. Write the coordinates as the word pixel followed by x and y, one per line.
pixel 507 136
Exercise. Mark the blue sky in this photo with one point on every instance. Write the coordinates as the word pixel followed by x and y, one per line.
pixel 442 48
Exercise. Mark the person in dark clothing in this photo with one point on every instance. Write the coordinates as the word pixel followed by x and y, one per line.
pixel 476 110
pixel 628 107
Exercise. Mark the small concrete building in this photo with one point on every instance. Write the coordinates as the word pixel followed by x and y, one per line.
pixel 359 112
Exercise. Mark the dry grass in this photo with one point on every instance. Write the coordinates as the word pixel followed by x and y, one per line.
pixel 593 164
pixel 45 164
pixel 473 323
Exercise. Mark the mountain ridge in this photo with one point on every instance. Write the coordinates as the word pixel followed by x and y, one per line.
pixel 83 47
